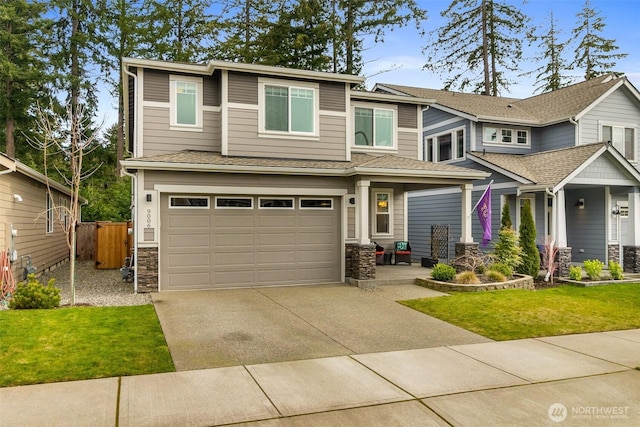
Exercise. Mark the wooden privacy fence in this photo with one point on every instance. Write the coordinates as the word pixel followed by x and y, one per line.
pixel 107 243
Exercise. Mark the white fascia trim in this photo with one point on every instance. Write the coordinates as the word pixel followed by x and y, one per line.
pixel 604 181
pixel 455 112
pixel 138 150
pixel 511 122
pixel 266 191
pixel 402 99
pixel 445 123
pixel 579 169
pixel 388 89
pixel 598 100
pixel 348 122
pixel 417 173
pixel 190 167
pixel 498 169
pixel 224 113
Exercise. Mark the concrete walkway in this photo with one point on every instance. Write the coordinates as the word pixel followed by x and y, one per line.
pixel 574 380
pixel 217 328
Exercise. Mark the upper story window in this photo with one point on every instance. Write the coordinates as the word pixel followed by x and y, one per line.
pixel 374 127
pixel 186 103
pixel 288 109
pixel 445 146
pixel 622 138
pixel 507 136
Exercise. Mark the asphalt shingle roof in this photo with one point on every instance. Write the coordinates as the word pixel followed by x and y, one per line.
pixel 546 168
pixel 540 109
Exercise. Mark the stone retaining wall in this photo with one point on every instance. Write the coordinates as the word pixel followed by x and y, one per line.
pixel 520 282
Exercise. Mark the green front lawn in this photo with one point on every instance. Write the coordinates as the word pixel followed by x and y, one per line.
pixel 42 346
pixel 515 314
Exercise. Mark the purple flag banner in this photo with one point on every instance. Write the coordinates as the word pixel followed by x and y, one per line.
pixel 484 215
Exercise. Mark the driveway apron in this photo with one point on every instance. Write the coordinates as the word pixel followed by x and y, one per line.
pixel 217 328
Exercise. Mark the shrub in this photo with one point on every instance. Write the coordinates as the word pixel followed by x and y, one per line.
pixel 530 256
pixel 467 278
pixel 575 272
pixel 501 268
pixel 32 294
pixel 443 272
pixel 593 268
pixel 507 250
pixel 495 276
pixel 615 269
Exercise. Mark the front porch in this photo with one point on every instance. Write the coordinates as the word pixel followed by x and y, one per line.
pixel 401 274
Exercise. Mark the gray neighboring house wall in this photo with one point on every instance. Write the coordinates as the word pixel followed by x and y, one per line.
pixel 574 152
pixel 30 233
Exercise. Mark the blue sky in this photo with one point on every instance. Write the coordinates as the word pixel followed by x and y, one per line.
pixel 402 49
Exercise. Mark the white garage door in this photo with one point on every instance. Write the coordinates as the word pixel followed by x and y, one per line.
pixel 219 242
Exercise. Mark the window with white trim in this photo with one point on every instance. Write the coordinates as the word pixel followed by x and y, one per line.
pixel 275 203
pixel 316 203
pixel 288 108
pixel 374 127
pixel 188 202
pixel 623 138
pixel 186 103
pixel 506 136
pixel 445 146
pixel 234 202
pixel 50 213
pixel 382 223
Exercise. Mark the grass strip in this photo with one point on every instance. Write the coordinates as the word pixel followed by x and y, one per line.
pixel 42 346
pixel 516 314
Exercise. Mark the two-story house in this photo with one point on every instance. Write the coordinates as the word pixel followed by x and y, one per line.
pixel 574 153
pixel 249 175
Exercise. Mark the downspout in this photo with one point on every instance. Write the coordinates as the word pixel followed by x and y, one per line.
pixel 574 122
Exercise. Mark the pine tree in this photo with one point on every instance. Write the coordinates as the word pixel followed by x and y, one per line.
pixel 23 76
pixel 505 219
pixel 550 75
pixel 480 43
pixel 530 255
pixel 594 53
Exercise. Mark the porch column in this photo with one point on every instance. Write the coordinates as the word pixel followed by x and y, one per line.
pixel 465 229
pixel 362 211
pixel 631 251
pixel 561 220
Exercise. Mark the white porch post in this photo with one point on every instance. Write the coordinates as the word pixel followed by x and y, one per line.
pixel 465 230
pixel 561 220
pixel 634 210
pixel 362 211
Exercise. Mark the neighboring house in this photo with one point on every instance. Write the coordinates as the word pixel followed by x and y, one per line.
pixel 30 228
pixel 574 153
pixel 249 175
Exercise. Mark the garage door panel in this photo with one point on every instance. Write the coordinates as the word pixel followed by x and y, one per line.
pixel 249 247
pixel 186 220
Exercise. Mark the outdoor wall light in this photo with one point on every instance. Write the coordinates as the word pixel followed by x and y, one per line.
pixel 17 197
pixel 580 204
pixel 148 197
pixel 616 210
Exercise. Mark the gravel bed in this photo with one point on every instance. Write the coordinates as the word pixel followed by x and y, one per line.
pixel 95 287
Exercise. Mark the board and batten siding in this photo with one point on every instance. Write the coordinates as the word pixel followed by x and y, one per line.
pixel 29 219
pixel 160 139
pixel 245 141
pixel 586 229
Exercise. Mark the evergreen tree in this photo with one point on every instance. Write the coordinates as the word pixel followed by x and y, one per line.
pixel 530 255
pixel 505 219
pixel 594 53
pixel 550 75
pixel 480 43
pixel 23 76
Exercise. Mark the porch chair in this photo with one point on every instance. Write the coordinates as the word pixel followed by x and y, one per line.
pixel 379 254
pixel 402 252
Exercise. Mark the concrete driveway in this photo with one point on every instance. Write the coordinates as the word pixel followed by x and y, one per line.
pixel 217 328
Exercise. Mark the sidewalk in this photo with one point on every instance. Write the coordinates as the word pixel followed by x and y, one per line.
pixel 580 380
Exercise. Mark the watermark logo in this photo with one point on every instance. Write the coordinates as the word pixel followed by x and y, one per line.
pixel 557 412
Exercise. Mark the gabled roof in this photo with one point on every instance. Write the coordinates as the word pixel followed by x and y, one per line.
pixel 550 169
pixel 14 165
pixel 544 109
pixel 389 165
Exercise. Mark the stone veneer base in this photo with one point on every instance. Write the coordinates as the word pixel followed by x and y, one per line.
pixel 520 282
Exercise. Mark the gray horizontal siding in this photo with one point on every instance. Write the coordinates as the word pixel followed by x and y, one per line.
pixel 561 135
pixel 332 96
pixel 243 88
pixel 616 108
pixel 244 140
pixel 433 116
pixel 156 86
pixel 159 139
pixel 211 90
pixel 408 145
